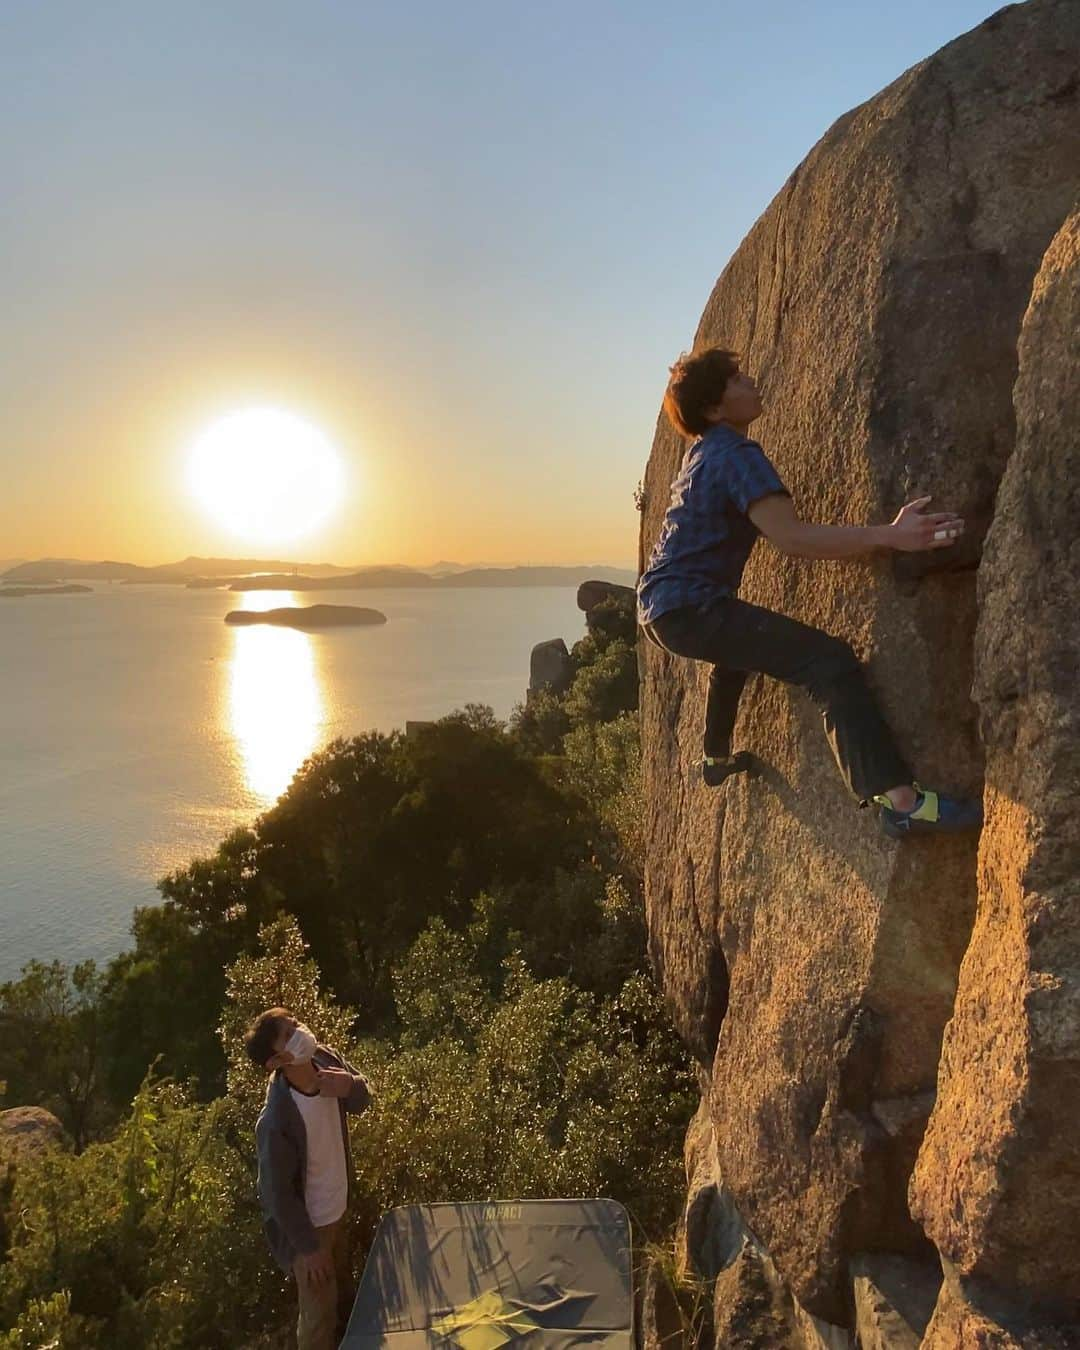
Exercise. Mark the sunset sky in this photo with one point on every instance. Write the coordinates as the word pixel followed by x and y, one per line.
pixel 462 242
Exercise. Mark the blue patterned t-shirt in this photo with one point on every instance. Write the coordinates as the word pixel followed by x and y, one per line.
pixel 707 536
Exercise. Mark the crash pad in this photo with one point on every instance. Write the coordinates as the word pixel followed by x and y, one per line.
pixel 534 1273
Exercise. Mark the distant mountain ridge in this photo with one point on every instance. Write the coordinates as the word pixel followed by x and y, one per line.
pixel 63 569
pixel 241 574
pixel 384 578
pixel 206 567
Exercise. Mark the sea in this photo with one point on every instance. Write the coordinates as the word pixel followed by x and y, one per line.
pixel 137 728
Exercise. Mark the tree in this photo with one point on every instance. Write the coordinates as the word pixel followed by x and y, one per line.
pixel 544 1091
pixel 605 686
pixel 540 723
pixel 602 763
pixel 467 901
pixel 154 1236
pixel 50 1044
pixel 281 975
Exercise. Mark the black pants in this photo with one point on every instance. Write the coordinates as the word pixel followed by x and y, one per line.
pixel 739 639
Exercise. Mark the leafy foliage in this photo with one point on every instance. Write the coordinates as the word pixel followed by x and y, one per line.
pixel 375 836
pixel 50 1051
pixel 153 1236
pixel 603 761
pixel 543 1091
pixel 604 683
pixel 48 1322
pixel 281 975
pixel 459 911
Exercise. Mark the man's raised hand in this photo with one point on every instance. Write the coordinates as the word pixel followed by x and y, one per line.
pixel 914 529
pixel 335 1082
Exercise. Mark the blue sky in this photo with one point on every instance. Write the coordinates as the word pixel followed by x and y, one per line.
pixel 466 241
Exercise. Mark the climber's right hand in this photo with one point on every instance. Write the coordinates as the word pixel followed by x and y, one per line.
pixel 914 530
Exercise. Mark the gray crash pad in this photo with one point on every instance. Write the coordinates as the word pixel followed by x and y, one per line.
pixel 535 1273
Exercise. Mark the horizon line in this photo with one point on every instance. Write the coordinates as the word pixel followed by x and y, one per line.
pixel 355 567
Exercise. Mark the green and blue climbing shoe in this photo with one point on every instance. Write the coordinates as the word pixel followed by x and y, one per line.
pixel 933 813
pixel 716 769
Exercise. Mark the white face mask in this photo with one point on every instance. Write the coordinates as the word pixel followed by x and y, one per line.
pixel 301 1044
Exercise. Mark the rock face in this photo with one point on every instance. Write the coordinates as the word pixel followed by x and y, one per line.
pixel 26 1131
pixel 894 1301
pixel 998 1181
pixel 550 667
pixel 810 965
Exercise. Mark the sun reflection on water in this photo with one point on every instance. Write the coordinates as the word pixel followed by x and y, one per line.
pixel 275 699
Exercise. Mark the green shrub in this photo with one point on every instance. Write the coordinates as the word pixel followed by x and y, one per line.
pixel 460 913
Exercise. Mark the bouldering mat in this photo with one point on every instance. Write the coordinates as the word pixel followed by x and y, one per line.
pixel 534 1273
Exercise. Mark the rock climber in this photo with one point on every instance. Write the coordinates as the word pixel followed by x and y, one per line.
pixel 725 494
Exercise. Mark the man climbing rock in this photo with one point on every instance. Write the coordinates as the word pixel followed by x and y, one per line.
pixel 302 1142
pixel 725 494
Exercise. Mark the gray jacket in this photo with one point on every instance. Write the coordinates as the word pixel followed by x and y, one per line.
pixel 281 1145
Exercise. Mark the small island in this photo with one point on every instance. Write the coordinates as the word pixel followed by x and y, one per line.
pixel 18 592
pixel 308 616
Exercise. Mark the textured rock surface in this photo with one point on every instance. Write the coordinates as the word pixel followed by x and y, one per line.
pixel 958 1324
pixel 894 1301
pixel 26 1131
pixel 998 1181
pixel 750 1306
pixel 879 299
pixel 550 667
pixel 661 1321
pixel 733 1294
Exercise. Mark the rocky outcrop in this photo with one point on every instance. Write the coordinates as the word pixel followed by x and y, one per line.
pixel 959 1324
pixel 610 610
pixel 894 1300
pixel 998 1181
pixel 609 614
pixel 26 1131
pixel 810 965
pixel 593 593
pixel 550 667
pixel 723 1269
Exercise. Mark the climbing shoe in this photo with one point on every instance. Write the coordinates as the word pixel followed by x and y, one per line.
pixel 716 769
pixel 933 813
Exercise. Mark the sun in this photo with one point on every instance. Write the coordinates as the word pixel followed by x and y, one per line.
pixel 266 475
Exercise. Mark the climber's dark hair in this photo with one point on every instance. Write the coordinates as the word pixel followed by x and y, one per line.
pixel 697 383
pixel 260 1036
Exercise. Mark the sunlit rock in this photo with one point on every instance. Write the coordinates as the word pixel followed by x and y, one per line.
pixel 998 1180
pixel 811 965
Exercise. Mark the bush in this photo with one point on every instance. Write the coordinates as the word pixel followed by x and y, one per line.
pixel 548 1092
pixel 153 1236
pixel 460 913
pixel 605 687
pixel 50 1044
